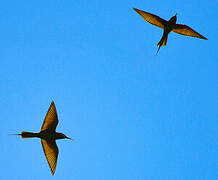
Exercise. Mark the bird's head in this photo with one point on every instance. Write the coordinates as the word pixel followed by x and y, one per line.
pixel 174 18
pixel 62 136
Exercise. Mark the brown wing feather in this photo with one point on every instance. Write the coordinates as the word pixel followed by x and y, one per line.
pixel 151 18
pixel 51 153
pixel 51 118
pixel 187 31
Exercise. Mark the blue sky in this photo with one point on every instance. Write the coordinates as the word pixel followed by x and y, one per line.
pixel 133 115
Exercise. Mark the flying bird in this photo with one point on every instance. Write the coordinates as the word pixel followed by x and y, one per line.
pixel 168 26
pixel 48 136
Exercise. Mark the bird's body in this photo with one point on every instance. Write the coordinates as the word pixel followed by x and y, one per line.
pixel 167 29
pixel 48 136
pixel 168 26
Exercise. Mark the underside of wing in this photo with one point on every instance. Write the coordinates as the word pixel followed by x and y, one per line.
pixel 151 18
pixel 51 153
pixel 51 118
pixel 187 31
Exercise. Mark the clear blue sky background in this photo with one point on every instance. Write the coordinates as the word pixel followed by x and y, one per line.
pixel 133 115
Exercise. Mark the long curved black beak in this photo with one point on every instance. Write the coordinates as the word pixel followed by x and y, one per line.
pixel 69 138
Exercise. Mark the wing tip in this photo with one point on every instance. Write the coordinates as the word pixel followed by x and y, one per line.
pixel 52 104
pixel 137 10
pixel 52 172
pixel 202 37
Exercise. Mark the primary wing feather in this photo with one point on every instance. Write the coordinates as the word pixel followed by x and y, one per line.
pixel 51 153
pixel 151 18
pixel 51 118
pixel 187 31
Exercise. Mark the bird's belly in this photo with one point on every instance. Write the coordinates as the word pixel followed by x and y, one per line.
pixel 47 135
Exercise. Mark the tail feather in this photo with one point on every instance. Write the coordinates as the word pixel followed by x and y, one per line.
pixel 162 42
pixel 158 50
pixel 14 134
pixel 165 41
pixel 25 135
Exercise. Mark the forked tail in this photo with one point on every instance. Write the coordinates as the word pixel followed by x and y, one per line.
pixel 162 42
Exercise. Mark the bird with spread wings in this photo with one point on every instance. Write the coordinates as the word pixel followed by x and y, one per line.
pixel 48 136
pixel 168 26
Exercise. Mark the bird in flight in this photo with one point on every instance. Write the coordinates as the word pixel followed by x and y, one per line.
pixel 168 26
pixel 48 136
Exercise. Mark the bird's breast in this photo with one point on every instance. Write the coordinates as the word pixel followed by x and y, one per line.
pixel 48 135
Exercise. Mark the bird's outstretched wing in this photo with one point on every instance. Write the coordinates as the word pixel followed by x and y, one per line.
pixel 151 18
pixel 187 31
pixel 51 153
pixel 51 118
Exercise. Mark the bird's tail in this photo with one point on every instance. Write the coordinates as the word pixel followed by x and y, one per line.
pixel 162 42
pixel 25 135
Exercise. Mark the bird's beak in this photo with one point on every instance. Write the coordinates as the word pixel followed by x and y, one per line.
pixel 176 14
pixel 69 138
